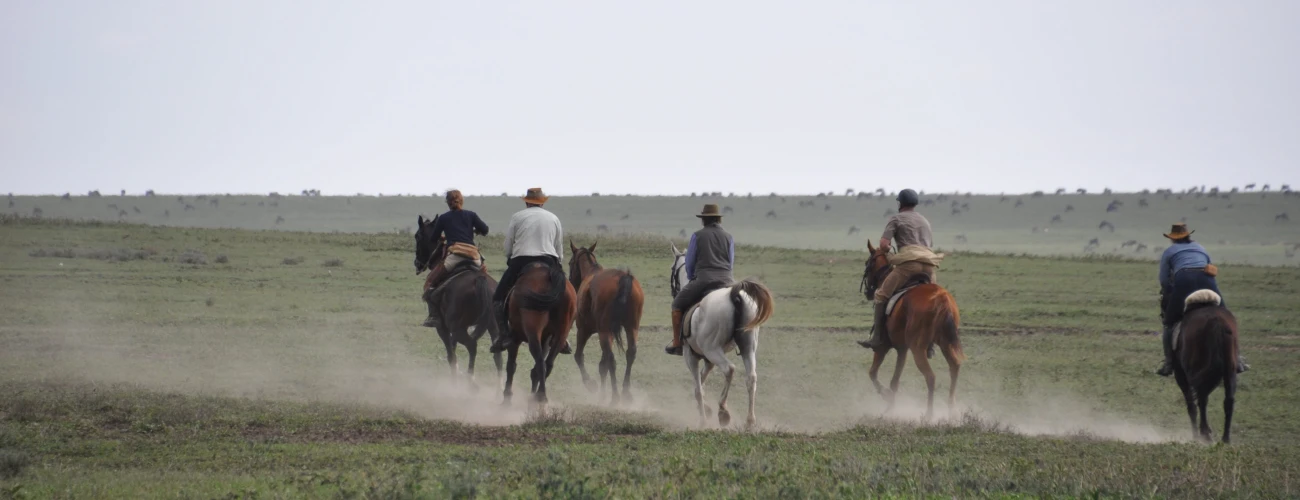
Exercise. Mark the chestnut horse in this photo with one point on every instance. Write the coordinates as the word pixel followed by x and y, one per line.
pixel 464 300
pixel 1205 357
pixel 609 303
pixel 927 315
pixel 540 310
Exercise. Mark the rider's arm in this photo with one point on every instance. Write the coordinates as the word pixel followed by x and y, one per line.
pixel 480 227
pixel 559 239
pixel 731 252
pixel 690 259
pixel 510 239
pixel 888 235
pixel 884 244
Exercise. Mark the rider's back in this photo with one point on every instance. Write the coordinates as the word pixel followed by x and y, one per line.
pixel 909 228
pixel 534 231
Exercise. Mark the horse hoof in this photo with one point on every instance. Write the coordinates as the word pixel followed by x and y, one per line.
pixel 750 423
pixel 724 417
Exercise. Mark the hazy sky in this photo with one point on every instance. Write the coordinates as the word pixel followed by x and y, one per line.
pixel 646 97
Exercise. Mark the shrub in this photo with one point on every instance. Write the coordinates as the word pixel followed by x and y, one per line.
pixel 221 259
pixel 335 262
pixel 292 261
pixel 192 257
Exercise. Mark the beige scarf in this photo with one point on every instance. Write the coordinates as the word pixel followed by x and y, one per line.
pixel 916 253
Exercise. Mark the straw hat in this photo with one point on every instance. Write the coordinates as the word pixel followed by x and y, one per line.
pixel 710 210
pixel 1179 232
pixel 536 196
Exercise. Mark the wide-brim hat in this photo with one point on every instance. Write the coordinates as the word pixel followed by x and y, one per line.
pixel 535 195
pixel 710 210
pixel 1178 232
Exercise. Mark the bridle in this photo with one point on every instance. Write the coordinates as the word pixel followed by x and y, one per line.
pixel 675 279
pixel 871 280
pixel 575 267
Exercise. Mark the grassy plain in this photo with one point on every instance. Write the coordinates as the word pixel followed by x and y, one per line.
pixel 135 362
pixel 1237 227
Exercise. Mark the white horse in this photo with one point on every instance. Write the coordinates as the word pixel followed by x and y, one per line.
pixel 726 318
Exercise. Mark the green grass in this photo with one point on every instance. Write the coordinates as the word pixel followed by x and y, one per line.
pixel 157 377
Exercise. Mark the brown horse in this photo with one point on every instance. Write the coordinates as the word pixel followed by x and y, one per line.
pixel 464 301
pixel 540 310
pixel 1205 357
pixel 609 303
pixel 926 316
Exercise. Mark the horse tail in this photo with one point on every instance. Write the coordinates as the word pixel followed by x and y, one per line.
pixel 544 301
pixel 618 313
pixel 485 317
pixel 763 304
pixel 949 323
pixel 1220 340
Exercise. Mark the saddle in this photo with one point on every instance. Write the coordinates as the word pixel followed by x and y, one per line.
pixel 913 281
pixel 690 311
pixel 463 267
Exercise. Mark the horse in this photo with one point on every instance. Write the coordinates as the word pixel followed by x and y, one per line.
pixel 540 309
pixel 465 302
pixel 726 318
pixel 609 303
pixel 1205 357
pixel 925 316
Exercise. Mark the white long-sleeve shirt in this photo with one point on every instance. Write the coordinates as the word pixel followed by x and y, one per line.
pixel 534 231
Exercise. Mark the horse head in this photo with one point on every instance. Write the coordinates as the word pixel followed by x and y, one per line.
pixel 426 249
pixel 877 268
pixel 582 263
pixel 677 275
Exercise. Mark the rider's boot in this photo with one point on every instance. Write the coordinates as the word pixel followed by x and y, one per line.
pixel 1167 340
pixel 675 348
pixel 878 338
pixel 503 326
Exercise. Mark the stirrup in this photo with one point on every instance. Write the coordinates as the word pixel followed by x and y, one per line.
pixel 673 350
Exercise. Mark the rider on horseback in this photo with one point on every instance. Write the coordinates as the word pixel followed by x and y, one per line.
pixel 534 235
pixel 909 231
pixel 709 259
pixel 459 227
pixel 1184 268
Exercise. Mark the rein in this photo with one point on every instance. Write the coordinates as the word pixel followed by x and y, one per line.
pixel 870 280
pixel 675 279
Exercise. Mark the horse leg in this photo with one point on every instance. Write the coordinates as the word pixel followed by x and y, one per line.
pixel 876 359
pixel 512 355
pixel 954 367
pixel 893 383
pixel 450 344
pixel 607 365
pixel 630 358
pixel 471 346
pixel 1189 396
pixel 748 346
pixel 704 377
pixel 693 364
pixel 720 359
pixel 580 357
pixel 550 354
pixel 1229 400
pixel 1203 400
pixel 923 363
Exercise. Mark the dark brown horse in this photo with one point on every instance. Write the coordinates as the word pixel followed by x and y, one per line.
pixel 609 303
pixel 463 302
pixel 540 308
pixel 927 315
pixel 1205 357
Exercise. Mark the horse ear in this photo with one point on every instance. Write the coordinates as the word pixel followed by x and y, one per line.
pixel 592 249
pixel 419 219
pixel 870 247
pixel 676 252
pixel 572 249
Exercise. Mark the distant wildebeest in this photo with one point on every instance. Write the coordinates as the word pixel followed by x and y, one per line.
pixel 602 228
pixel 214 202
pixel 961 238
pixel 1128 243
pixel 854 230
pixel 1106 225
pixel 121 213
pixel 821 196
pixel 1081 191
pixel 849 192
pixel 279 219
pixel 771 214
pixel 180 199
pixel 828 207
pixel 135 209
pixel 1140 248
pixel 1036 194
pixel 588 212
pixel 1250 187
pixel 1264 188
pixel 1060 191
pixel 36 211
pixel 1282 217
pixel 965 206
pixel 188 207
pixel 1094 242
pixel 1143 203
pixel 1004 199
pixel 1069 208
pixel 1056 219
pixel 93 194
pixel 806 203
pixel 65 197
pixel 1106 191
pixel 625 217
pixel 1019 203
pixel 148 193
pixel 1112 207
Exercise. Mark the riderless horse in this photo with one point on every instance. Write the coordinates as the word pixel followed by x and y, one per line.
pixel 609 303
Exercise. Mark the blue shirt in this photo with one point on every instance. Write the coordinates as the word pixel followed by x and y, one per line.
pixel 459 226
pixel 690 256
pixel 1181 256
